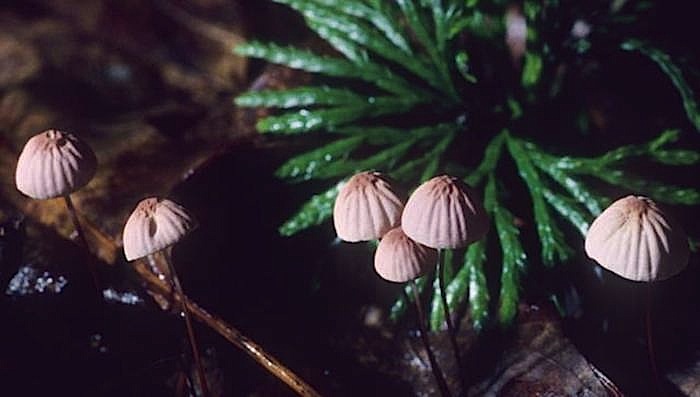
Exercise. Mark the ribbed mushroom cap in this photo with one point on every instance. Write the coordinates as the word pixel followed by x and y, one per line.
pixel 54 164
pixel 635 239
pixel 400 259
pixel 444 212
pixel 154 225
pixel 366 208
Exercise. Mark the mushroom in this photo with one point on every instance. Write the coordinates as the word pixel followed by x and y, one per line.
pixel 635 239
pixel 399 259
pixel 366 208
pixel 445 212
pixel 154 227
pixel 55 164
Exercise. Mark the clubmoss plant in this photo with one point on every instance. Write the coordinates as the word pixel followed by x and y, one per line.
pixel 418 88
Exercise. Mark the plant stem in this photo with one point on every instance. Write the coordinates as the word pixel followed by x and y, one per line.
pixel 650 342
pixel 439 378
pixel 83 241
pixel 229 332
pixel 188 323
pixel 448 317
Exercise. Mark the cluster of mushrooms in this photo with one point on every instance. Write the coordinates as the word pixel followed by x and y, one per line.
pixel 633 237
pixel 442 213
pixel 55 164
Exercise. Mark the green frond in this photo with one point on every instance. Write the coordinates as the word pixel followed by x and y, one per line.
pixel 295 58
pixel 492 154
pixel 307 165
pixel 554 248
pixel 658 191
pixel 676 157
pixel 430 161
pixel 470 283
pixel 353 29
pixel 312 213
pixel 569 210
pixel 416 21
pixel 384 159
pixel 578 190
pixel 673 72
pixel 306 120
pixel 378 18
pixel 513 254
pixel 475 259
pixel 300 96
pixel 532 69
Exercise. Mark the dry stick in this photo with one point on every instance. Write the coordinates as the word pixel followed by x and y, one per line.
pixel 439 378
pixel 650 342
pixel 83 241
pixel 448 317
pixel 188 322
pixel 231 334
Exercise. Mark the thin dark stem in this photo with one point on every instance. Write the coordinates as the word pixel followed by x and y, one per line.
pixel 188 323
pixel 448 316
pixel 439 378
pixel 83 241
pixel 650 341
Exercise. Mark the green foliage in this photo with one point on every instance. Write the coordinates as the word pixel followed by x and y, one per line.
pixel 673 72
pixel 410 91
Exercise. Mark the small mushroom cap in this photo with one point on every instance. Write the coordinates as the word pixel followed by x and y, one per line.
pixel 366 208
pixel 635 239
pixel 154 225
pixel 400 259
pixel 444 212
pixel 54 164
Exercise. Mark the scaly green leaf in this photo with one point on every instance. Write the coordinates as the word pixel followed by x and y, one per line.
pixel 306 166
pixel 470 283
pixel 379 18
pixel 300 96
pixel 554 247
pixel 384 159
pixel 568 209
pixel 673 72
pixel 514 257
pixel 532 69
pixel 359 32
pixel 576 188
pixel 306 120
pixel 665 193
pixel 295 58
pixel 491 155
pixel 312 213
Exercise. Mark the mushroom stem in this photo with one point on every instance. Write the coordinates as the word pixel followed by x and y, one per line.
pixel 188 323
pixel 82 241
pixel 437 373
pixel 650 342
pixel 448 316
pixel 230 333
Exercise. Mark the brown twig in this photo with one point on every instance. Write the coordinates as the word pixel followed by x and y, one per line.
pixel 83 241
pixel 188 323
pixel 255 351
